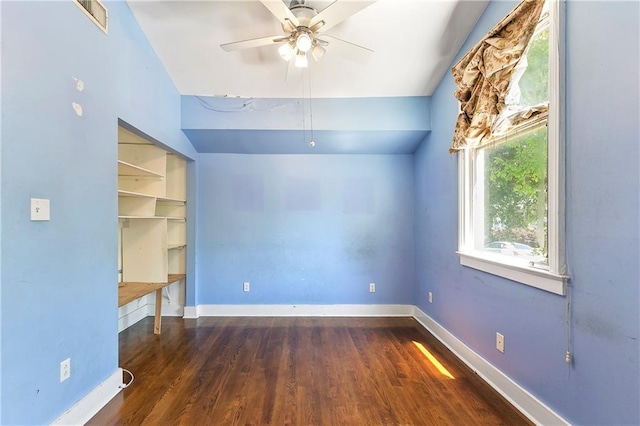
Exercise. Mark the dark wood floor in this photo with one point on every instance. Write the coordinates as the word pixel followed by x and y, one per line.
pixel 297 371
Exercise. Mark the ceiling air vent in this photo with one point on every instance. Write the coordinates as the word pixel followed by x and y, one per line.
pixel 96 11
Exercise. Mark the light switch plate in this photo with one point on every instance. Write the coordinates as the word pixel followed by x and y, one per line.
pixel 40 209
pixel 500 342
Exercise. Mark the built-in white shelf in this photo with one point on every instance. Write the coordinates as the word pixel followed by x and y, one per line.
pixel 141 217
pixel 128 169
pixel 177 219
pixel 123 193
pixel 152 210
pixel 171 200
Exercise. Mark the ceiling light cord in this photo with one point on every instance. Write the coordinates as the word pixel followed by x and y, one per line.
pixel 313 142
pixel 304 136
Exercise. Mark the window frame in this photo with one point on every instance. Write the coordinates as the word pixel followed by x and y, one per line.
pixel 554 279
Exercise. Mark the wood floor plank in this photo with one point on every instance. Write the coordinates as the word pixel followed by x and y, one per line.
pixel 297 371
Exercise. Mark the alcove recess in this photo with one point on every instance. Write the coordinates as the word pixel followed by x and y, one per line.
pixel 152 220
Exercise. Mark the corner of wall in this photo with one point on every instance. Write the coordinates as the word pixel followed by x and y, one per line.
pixel 525 402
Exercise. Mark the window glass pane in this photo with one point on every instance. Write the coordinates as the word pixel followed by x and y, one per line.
pixel 534 83
pixel 515 199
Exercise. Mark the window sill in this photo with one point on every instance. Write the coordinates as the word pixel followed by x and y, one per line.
pixel 538 278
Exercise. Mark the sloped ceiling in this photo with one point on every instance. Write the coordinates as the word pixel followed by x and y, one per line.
pixel 414 43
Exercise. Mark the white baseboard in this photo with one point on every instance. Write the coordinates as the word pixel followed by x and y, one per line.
pixel 299 311
pixel 190 312
pixel 82 411
pixel 524 401
pixel 168 310
pixel 131 314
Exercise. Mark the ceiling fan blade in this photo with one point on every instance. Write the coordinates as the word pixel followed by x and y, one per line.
pixel 337 12
pixel 348 50
pixel 280 11
pixel 254 42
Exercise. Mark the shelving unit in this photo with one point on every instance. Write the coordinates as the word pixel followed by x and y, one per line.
pixel 152 221
pixel 128 169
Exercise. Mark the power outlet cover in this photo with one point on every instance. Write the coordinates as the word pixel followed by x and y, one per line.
pixel 65 369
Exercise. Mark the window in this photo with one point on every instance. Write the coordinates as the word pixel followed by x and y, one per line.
pixel 511 198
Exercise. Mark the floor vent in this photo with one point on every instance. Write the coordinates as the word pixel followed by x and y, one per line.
pixel 96 11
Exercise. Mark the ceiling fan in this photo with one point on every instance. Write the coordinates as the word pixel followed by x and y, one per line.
pixel 304 31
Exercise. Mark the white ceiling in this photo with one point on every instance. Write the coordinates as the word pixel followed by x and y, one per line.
pixel 414 41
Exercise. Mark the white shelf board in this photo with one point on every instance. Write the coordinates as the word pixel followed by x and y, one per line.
pixel 128 169
pixel 141 217
pixel 171 200
pixel 122 193
pixel 178 219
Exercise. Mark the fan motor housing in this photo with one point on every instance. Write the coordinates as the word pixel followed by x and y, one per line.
pixel 303 12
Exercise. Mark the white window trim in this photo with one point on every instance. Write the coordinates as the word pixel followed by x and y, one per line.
pixel 538 278
pixel 554 280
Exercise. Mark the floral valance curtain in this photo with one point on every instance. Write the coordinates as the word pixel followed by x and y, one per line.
pixel 484 74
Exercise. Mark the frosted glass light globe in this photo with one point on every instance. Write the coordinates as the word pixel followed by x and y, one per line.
pixel 303 42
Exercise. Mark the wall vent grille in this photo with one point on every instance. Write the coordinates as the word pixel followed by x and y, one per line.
pixel 96 11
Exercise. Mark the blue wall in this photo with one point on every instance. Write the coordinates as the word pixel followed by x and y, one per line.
pixel 601 386
pixel 394 125
pixel 305 229
pixel 392 113
pixel 308 228
pixel 1 133
pixel 59 279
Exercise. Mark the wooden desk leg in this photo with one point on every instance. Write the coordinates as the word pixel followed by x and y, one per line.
pixel 157 323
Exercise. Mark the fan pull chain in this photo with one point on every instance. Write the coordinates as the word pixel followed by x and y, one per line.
pixel 304 136
pixel 313 142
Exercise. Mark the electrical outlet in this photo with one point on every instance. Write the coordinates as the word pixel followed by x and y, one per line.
pixel 500 342
pixel 430 297
pixel 65 369
pixel 372 287
pixel 245 287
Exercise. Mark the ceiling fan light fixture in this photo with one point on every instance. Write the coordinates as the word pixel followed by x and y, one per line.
pixel 303 42
pixel 318 52
pixel 301 60
pixel 286 51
